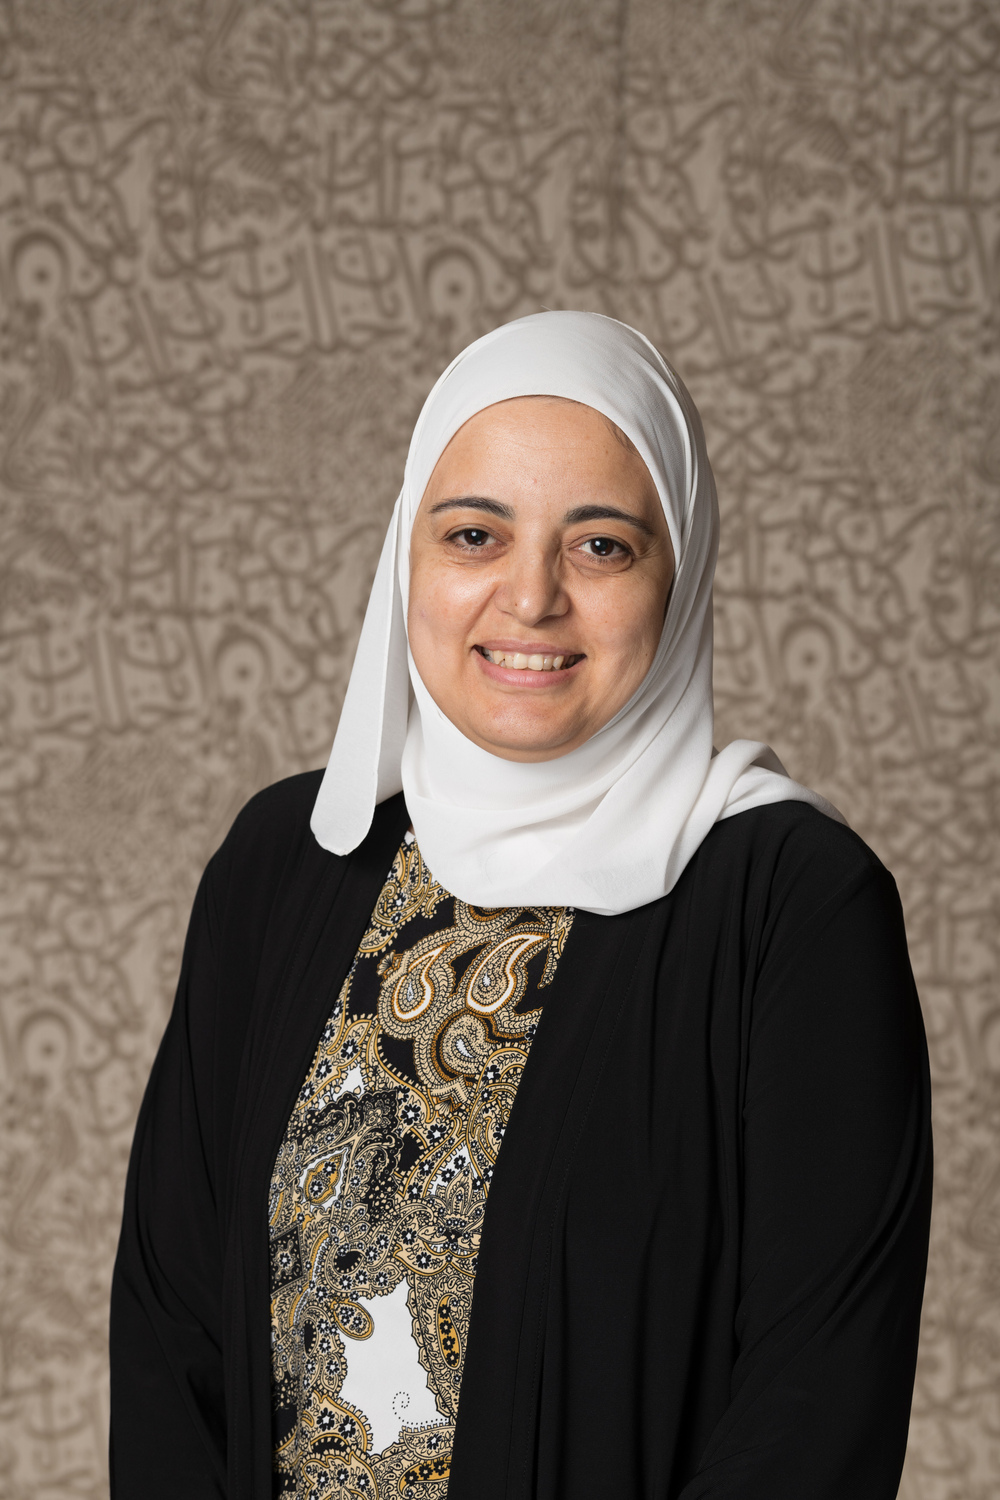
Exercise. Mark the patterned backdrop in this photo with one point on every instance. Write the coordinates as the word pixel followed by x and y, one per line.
pixel 238 241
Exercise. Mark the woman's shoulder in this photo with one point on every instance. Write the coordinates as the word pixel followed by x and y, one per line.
pixel 792 883
pixel 269 835
pixel 272 836
pixel 281 810
pixel 791 847
pixel 272 824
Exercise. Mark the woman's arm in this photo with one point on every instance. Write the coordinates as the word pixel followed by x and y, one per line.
pixel 837 1181
pixel 168 1413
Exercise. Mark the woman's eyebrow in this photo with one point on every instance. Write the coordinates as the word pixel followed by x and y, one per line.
pixel 475 502
pixel 606 513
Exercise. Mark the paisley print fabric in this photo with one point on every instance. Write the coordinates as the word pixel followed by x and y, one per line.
pixel 380 1185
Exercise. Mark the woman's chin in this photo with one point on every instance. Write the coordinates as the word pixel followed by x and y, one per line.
pixel 524 743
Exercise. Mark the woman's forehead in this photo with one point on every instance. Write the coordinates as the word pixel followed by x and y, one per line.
pixel 514 408
pixel 563 445
pixel 553 423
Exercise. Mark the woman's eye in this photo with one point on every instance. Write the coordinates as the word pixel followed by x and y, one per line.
pixel 604 546
pixel 471 536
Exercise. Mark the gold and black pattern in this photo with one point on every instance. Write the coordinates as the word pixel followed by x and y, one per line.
pixel 384 1180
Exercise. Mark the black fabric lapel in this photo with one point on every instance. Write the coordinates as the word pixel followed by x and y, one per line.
pixel 327 903
pixel 497 1417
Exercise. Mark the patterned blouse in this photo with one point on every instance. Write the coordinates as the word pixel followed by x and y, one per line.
pixel 380 1184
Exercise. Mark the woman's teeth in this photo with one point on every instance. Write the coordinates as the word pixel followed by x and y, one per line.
pixel 520 663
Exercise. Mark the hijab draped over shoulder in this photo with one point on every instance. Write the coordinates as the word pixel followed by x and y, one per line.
pixel 610 825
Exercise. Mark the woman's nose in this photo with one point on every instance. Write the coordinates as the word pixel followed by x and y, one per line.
pixel 532 589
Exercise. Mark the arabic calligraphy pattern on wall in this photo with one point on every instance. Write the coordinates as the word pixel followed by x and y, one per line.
pixel 238 241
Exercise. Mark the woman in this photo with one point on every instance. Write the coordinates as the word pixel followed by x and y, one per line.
pixel 527 902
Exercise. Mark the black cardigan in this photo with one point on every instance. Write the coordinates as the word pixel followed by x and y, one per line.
pixel 704 1245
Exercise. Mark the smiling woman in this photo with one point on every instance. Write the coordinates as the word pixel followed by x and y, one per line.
pixel 544 1109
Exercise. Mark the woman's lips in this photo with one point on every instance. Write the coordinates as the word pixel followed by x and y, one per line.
pixel 526 669
pixel 535 661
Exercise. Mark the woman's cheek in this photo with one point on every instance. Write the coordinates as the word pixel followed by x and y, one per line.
pixel 460 599
pixel 436 595
pixel 627 634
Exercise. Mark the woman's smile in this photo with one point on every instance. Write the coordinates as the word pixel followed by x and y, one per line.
pixel 528 664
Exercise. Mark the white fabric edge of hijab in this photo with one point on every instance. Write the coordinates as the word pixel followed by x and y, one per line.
pixel 611 825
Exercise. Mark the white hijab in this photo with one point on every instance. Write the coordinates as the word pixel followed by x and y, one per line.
pixel 612 824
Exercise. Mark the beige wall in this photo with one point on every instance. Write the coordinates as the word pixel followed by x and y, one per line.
pixel 237 244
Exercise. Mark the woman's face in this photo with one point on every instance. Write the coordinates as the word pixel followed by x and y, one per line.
pixel 540 565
